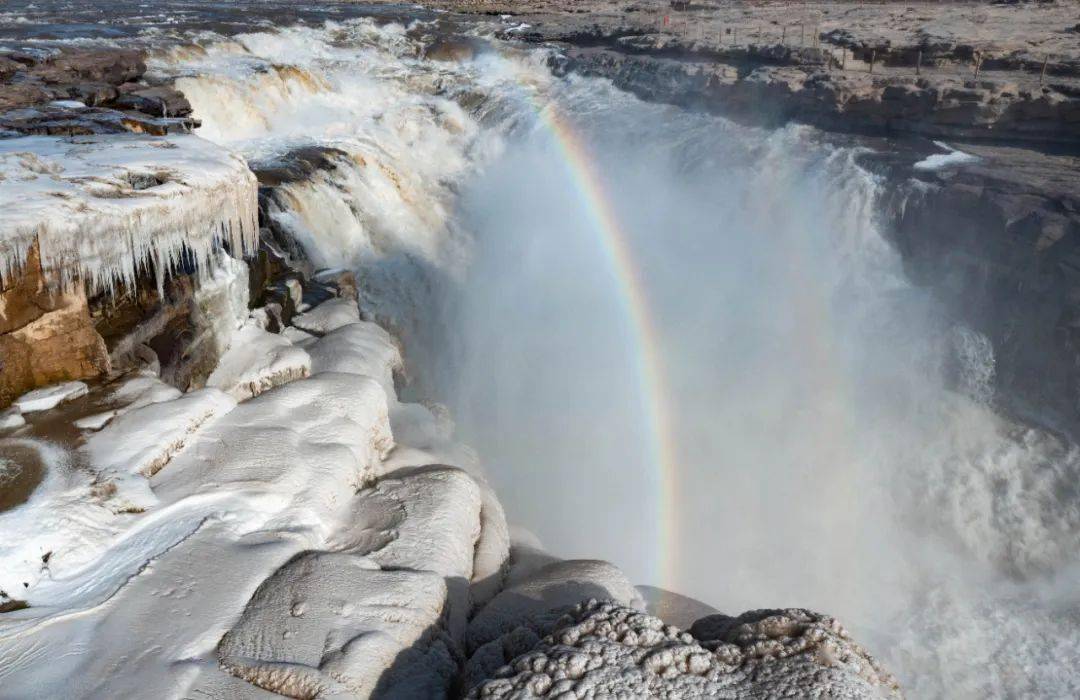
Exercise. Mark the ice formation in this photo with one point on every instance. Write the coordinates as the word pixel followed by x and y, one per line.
pixel 102 208
pixel 49 397
pixel 257 361
pixel 602 649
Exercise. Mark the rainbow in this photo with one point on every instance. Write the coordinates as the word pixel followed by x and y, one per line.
pixel 632 292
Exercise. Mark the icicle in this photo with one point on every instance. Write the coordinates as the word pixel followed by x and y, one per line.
pixel 105 208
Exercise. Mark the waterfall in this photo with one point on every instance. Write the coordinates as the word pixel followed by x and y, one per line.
pixel 835 437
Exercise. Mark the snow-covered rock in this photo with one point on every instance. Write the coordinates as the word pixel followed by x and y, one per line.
pixel 358 348
pixel 140 442
pixel 328 316
pixel 334 625
pixel 132 392
pixel 491 558
pixel 49 397
pixel 101 206
pixel 599 649
pixel 257 361
pixel 436 523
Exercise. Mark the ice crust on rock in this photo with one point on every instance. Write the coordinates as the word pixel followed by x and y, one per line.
pixel 600 649
pixel 328 316
pixel 139 443
pixel 50 397
pixel 334 625
pixel 256 361
pixel 102 207
pixel 358 348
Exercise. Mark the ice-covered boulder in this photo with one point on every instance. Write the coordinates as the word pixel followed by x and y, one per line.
pixel 257 361
pixel 328 316
pixel 99 207
pixel 357 348
pixel 334 625
pixel 309 443
pixel 428 519
pixel 491 556
pixel 600 649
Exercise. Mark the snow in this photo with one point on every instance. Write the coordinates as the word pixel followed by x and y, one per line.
pixel 358 348
pixel 328 316
pixel 257 361
pixel 49 397
pixel 951 157
pixel 137 390
pixel 295 640
pixel 103 207
pixel 139 443
pixel 249 490
pixel 11 418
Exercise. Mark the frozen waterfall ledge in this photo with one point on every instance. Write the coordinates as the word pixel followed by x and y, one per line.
pixel 102 208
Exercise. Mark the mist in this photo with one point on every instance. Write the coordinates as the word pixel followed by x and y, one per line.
pixel 837 446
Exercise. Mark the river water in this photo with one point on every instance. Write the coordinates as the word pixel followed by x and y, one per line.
pixel 676 343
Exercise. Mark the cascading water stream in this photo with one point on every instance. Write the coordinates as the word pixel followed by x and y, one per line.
pixel 834 441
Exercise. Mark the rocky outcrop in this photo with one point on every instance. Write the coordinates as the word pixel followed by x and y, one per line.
pixel 46 334
pixel 605 649
pixel 754 92
pixel 998 241
pixel 81 91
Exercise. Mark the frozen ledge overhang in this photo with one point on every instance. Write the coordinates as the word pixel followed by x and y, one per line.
pixel 103 208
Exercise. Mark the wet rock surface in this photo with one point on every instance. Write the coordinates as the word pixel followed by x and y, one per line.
pixel 998 240
pixel 81 91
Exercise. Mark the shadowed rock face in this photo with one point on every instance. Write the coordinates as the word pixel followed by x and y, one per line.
pixel 603 649
pixel 752 91
pixel 998 241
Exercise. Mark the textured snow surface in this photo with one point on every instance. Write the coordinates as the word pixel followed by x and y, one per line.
pixel 102 207
pixel 295 639
pixel 257 361
pixel 357 348
pixel 226 497
pixel 606 650
pixel 139 443
pixel 328 316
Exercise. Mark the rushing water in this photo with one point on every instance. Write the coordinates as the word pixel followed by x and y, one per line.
pixel 834 439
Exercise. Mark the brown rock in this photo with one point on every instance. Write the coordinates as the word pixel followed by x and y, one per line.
pixel 46 334
pixel 60 345
pixel 112 66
